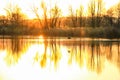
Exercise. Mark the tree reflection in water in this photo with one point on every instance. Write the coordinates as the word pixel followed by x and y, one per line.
pixel 118 57
pixel 13 47
pixel 55 54
pixel 44 55
pixel 95 62
pixel 90 54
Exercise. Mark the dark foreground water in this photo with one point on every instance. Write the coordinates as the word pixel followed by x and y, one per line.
pixel 38 58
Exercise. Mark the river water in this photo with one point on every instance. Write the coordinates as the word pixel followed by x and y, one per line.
pixel 41 58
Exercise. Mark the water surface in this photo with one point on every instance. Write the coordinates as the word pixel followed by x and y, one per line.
pixel 39 58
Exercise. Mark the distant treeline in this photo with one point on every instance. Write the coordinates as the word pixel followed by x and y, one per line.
pixel 104 21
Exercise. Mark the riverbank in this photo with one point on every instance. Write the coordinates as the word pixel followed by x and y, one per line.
pixel 100 32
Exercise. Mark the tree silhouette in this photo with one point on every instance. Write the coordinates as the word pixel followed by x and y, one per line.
pixel 55 16
pixel 92 8
pixel 100 8
pixel 118 14
pixel 110 13
pixel 81 15
pixel 35 11
pixel 14 15
pixel 14 19
pixel 73 16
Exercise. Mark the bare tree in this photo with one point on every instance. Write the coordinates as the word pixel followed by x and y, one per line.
pixel 73 16
pixel 118 14
pixel 14 15
pixel 35 11
pixel 100 7
pixel 56 12
pixel 92 7
pixel 81 15
pixel 43 20
pixel 9 11
pixel 14 19
pixel 110 13
pixel 44 8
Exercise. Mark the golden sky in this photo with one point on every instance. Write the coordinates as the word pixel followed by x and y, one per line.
pixel 26 5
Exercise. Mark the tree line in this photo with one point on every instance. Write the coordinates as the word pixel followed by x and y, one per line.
pixel 47 19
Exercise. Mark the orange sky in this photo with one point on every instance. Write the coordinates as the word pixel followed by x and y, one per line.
pixel 26 5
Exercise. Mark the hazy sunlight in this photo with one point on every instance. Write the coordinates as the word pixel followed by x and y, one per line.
pixel 26 5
